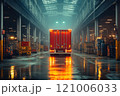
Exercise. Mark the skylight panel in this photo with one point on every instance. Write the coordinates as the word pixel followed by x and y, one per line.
pixel 71 1
pixel 51 8
pixel 69 7
pixel 49 1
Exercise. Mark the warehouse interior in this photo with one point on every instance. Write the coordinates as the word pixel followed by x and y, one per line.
pixel 95 26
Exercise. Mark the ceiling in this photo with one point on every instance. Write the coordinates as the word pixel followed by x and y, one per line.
pixel 60 7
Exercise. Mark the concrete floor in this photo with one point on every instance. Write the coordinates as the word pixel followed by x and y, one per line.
pixel 45 67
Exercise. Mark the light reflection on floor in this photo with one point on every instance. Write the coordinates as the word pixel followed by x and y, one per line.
pixel 12 73
pixel 62 71
pixel 98 69
pixel 60 68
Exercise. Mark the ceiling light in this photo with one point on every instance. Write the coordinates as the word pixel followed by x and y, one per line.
pixel 23 25
pixel 12 37
pixel 15 37
pixel 10 28
pixel 109 19
pixel 6 17
pixel 63 21
pixel 107 22
pixel 100 25
pixel 104 28
pixel 57 22
pixel 91 30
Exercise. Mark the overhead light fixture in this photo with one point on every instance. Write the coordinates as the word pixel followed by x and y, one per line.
pixel 12 37
pixel 100 25
pixel 16 38
pixel 63 22
pixel 57 22
pixel 107 22
pixel 101 31
pixel 10 28
pixel 91 30
pixel 91 34
pixel 23 25
pixel 6 17
pixel 104 28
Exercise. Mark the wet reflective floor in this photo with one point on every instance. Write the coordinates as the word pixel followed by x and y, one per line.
pixel 46 67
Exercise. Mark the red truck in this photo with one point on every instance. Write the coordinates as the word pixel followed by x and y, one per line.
pixel 60 41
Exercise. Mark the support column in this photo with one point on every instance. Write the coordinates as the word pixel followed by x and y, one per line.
pixel 1 29
pixel 83 37
pixel 28 33
pixel 39 38
pixel 19 31
pixel 75 38
pixel 76 41
pixel 34 35
pixel 96 34
pixel 96 28
pixel 78 37
pixel 117 12
pixel 79 41
pixel 42 43
pixel 88 34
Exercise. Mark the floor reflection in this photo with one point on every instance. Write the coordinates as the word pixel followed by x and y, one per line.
pixel 1 72
pixel 12 73
pixel 23 78
pixel 94 68
pixel 60 68
pixel 98 68
pixel 117 68
pixel 30 71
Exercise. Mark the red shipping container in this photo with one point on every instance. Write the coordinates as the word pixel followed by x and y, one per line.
pixel 60 41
